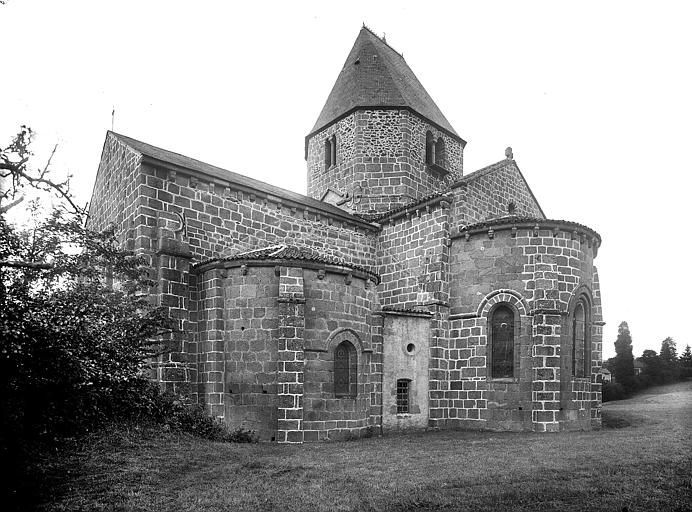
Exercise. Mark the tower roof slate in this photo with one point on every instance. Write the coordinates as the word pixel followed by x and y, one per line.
pixel 375 75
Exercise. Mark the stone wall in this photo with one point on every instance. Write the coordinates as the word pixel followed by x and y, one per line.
pixel 221 221
pixel 406 355
pixel 267 335
pixel 412 255
pixel 380 160
pixel 487 194
pixel 537 270
pixel 114 198
pixel 340 307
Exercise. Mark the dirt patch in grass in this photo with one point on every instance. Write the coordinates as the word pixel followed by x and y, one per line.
pixel 644 465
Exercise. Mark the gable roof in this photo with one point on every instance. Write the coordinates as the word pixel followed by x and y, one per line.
pixel 502 164
pixel 176 160
pixel 375 75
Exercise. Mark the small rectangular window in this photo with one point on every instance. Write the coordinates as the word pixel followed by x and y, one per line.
pixel 402 396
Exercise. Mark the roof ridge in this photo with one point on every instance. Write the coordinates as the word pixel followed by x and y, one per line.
pixel 383 40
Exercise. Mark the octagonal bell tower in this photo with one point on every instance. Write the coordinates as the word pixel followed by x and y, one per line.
pixel 380 141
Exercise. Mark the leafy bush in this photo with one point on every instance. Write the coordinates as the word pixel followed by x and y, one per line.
pixel 613 391
pixel 143 402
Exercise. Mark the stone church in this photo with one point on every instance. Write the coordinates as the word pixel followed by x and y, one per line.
pixel 400 293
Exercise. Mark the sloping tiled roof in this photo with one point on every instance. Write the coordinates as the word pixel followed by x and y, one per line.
pixel 289 252
pixel 375 75
pixel 185 162
pixel 517 220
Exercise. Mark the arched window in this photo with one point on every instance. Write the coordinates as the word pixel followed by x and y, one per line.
pixel 403 396
pixel 429 148
pixel 328 153
pixel 581 353
pixel 345 370
pixel 440 155
pixel 333 149
pixel 501 343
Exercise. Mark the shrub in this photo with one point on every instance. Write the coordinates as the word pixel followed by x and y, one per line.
pixel 143 401
pixel 613 391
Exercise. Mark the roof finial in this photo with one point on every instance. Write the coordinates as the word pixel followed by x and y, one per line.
pixel 384 37
pixel 508 154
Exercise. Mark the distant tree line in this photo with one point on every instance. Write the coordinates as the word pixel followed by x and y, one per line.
pixel 654 368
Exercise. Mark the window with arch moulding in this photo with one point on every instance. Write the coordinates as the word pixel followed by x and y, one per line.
pixel 502 337
pixel 581 339
pixel 345 370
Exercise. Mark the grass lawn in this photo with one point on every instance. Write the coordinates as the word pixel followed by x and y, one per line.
pixel 642 460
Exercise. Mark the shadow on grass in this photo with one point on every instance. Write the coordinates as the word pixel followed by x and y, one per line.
pixel 621 419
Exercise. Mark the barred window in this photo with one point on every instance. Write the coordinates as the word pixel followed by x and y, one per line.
pixel 402 396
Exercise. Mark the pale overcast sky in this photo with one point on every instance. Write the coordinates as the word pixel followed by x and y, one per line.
pixel 595 98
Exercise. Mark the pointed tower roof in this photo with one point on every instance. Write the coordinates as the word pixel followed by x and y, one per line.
pixel 375 75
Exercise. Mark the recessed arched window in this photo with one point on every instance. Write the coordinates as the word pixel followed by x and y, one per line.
pixel 345 370
pixel 440 155
pixel 501 342
pixel 333 149
pixel 328 153
pixel 403 396
pixel 429 148
pixel 581 353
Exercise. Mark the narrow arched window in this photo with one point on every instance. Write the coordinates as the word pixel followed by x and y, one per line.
pixel 429 148
pixel 440 155
pixel 327 153
pixel 501 343
pixel 333 149
pixel 345 370
pixel 403 396
pixel 581 340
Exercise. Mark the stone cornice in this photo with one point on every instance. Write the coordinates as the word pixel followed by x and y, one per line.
pixel 299 263
pixel 511 223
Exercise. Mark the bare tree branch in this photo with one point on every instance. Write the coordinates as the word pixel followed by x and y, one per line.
pixel 3 209
pixel 19 173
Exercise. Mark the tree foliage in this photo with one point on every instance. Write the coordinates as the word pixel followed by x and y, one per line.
pixel 686 358
pixel 623 369
pixel 669 360
pixel 76 325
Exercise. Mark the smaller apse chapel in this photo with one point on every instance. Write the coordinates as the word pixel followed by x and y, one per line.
pixel 401 292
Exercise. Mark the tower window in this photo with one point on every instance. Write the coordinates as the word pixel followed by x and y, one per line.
pixel 429 148
pixel 403 391
pixel 345 370
pixel 330 152
pixel 327 153
pixel 440 155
